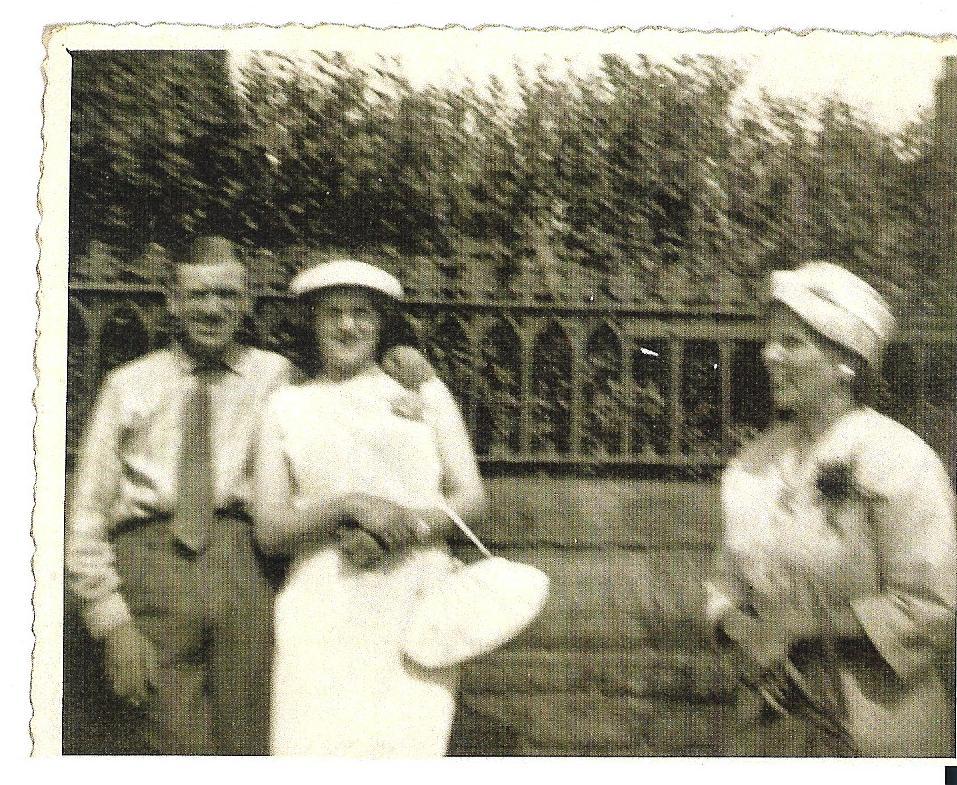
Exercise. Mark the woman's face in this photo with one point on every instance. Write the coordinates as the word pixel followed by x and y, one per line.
pixel 347 323
pixel 804 370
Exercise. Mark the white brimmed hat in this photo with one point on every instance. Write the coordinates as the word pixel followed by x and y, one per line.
pixel 346 272
pixel 839 305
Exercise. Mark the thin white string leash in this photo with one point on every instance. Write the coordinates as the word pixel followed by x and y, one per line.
pixel 463 526
pixel 457 520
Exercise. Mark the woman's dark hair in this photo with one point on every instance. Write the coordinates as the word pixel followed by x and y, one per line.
pixel 396 330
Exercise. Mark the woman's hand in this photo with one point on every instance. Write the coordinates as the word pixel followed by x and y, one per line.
pixel 394 527
pixel 765 643
pixel 359 547
pixel 763 646
pixel 432 524
pixel 798 623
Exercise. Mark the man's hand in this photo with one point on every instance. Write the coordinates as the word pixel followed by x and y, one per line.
pixel 131 665
pixel 392 525
pixel 408 366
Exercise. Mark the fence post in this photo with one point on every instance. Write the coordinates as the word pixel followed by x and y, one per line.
pixel 725 358
pixel 627 391
pixel 526 357
pixel 480 329
pixel 919 347
pixel 80 336
pixel 675 393
pixel 472 380
pixel 575 398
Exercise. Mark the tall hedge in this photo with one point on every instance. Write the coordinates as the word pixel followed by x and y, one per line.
pixel 633 183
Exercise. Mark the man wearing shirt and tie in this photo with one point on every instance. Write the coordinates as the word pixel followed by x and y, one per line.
pixel 160 549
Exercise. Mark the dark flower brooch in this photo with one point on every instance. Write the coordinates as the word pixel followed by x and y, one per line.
pixel 835 481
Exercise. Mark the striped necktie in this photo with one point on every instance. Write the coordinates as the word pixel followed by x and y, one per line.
pixel 193 516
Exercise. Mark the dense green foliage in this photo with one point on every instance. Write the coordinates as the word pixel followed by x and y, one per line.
pixel 156 143
pixel 636 183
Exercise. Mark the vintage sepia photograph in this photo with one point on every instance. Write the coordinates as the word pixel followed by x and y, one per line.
pixel 498 392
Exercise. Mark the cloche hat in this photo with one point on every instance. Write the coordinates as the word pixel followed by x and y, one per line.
pixel 839 305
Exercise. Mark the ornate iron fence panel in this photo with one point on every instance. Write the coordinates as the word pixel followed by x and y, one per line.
pixel 543 387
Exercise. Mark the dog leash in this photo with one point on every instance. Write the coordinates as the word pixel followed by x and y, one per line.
pixel 464 528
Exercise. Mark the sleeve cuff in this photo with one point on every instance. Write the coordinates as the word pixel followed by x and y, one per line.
pixel 106 613
pixel 873 614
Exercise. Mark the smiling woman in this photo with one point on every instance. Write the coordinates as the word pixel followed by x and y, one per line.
pixel 348 324
pixel 365 538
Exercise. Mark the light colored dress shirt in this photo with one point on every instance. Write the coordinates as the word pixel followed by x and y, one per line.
pixel 885 548
pixel 130 457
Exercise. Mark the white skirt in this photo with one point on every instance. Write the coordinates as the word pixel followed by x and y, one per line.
pixel 341 686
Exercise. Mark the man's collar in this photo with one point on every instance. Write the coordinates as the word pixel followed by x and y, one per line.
pixel 231 360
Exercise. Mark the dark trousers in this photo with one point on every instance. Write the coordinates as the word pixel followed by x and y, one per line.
pixel 210 617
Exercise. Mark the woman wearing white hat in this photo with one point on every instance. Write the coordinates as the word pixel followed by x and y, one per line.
pixel 352 475
pixel 837 578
